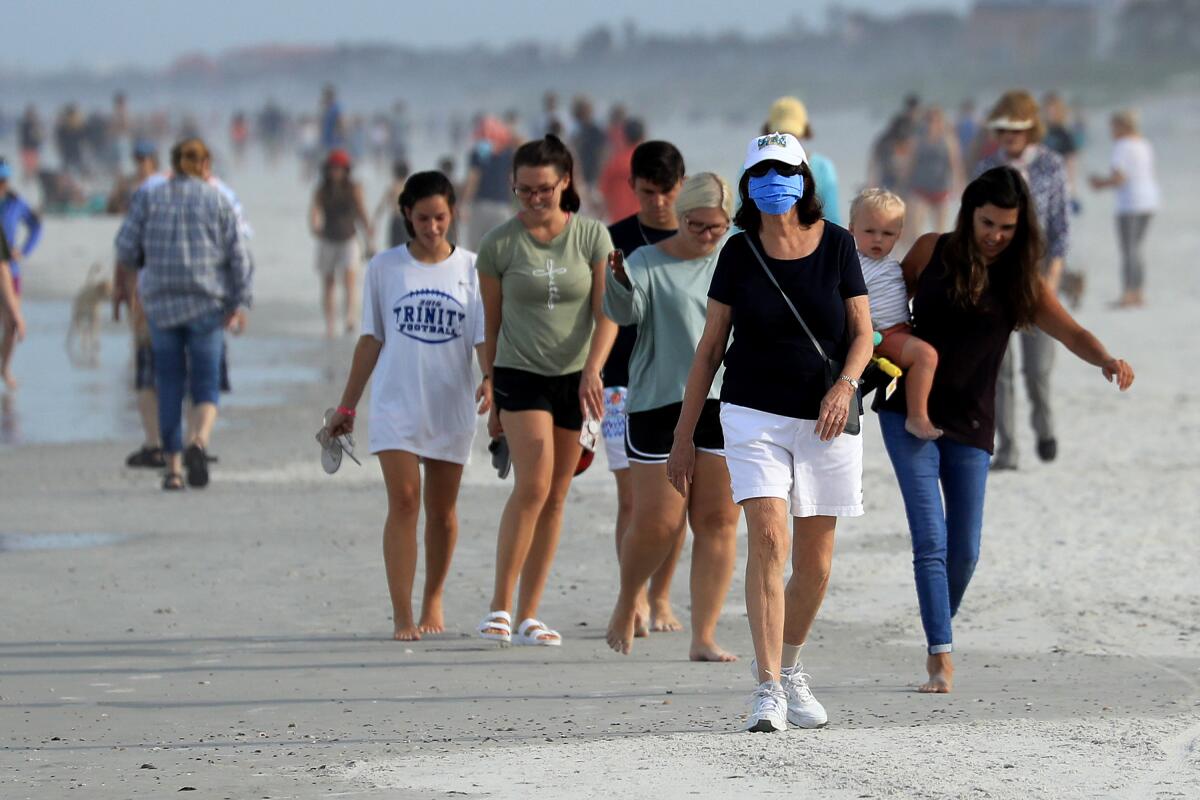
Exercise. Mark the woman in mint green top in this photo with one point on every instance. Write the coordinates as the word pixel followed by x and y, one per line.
pixel 666 298
pixel 663 289
pixel 541 275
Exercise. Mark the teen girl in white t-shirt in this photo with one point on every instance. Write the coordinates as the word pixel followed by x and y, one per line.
pixel 422 322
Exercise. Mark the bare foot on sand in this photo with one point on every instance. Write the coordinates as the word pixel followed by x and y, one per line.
pixel 621 629
pixel 662 618
pixel 406 633
pixel 710 651
pixel 941 675
pixel 431 619
pixel 922 428
pixel 640 629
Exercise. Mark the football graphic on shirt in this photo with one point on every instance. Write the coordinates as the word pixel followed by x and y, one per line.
pixel 429 316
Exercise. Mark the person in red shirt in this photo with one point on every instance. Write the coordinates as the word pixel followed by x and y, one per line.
pixel 616 181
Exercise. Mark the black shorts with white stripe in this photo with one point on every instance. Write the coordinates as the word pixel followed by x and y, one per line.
pixel 650 434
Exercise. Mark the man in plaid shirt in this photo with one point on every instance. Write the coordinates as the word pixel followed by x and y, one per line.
pixel 194 282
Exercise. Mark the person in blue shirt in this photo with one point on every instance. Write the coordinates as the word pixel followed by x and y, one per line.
pixel 14 212
pixel 333 130
pixel 789 115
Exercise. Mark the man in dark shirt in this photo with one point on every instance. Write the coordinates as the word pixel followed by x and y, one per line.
pixel 657 171
pixel 589 143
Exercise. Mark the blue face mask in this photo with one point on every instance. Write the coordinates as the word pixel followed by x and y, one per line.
pixel 775 194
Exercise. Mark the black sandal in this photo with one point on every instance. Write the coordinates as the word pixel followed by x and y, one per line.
pixel 172 482
pixel 147 457
pixel 196 463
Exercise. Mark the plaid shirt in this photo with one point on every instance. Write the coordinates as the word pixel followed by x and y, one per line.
pixel 184 237
pixel 1046 175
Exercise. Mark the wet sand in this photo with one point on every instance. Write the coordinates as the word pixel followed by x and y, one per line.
pixel 234 640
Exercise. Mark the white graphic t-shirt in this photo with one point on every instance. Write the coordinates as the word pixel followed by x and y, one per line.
pixel 429 318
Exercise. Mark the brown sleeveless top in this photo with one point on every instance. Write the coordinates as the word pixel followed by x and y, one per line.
pixel 338 211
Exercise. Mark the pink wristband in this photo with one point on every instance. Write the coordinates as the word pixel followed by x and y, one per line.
pixel 347 412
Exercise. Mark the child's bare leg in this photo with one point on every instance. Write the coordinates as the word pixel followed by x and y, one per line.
pixel 919 360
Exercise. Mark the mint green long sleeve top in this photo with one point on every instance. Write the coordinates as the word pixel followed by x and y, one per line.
pixel 666 300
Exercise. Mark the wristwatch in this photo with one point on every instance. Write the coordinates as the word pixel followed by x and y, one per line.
pixel 851 381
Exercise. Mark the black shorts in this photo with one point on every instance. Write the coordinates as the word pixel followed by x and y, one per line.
pixel 650 434
pixel 519 390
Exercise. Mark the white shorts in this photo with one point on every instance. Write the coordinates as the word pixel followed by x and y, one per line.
pixel 773 456
pixel 613 427
pixel 335 258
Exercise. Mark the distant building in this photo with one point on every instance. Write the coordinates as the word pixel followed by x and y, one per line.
pixel 1010 32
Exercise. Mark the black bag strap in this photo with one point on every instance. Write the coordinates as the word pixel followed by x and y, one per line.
pixel 787 300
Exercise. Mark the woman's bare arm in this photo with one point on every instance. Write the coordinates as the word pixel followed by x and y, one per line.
pixel 1056 321
pixel 917 259
pixel 710 352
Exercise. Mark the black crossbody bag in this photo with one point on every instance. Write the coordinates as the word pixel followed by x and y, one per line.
pixel 833 370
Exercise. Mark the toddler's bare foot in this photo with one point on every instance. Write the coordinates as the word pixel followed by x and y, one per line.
pixel 662 618
pixel 710 651
pixel 10 382
pixel 941 675
pixel 621 629
pixel 922 428
pixel 406 633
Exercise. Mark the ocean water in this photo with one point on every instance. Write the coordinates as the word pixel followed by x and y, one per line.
pixel 60 402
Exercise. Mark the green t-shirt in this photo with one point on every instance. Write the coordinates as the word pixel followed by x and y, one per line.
pixel 667 301
pixel 546 312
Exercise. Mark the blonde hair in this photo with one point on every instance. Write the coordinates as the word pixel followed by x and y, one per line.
pixel 1019 105
pixel 877 200
pixel 1127 118
pixel 704 190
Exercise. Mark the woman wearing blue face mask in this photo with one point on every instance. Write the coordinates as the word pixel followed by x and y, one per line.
pixel 784 424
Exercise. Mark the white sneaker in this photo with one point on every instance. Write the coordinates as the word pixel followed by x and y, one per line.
pixel 803 709
pixel 770 709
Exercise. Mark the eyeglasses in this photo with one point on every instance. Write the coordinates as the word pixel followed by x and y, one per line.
pixel 782 170
pixel 529 192
pixel 699 228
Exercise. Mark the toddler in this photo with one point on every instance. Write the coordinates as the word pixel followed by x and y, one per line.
pixel 876 220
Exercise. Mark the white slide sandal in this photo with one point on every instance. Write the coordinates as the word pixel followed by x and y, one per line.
pixel 496 627
pixel 533 632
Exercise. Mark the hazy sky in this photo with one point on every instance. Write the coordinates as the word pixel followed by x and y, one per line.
pixel 45 35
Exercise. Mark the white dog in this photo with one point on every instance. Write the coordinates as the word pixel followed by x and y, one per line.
pixel 83 337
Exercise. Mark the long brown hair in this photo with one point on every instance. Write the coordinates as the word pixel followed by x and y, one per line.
pixel 1002 187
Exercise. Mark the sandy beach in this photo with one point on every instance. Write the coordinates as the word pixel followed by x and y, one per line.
pixel 234 641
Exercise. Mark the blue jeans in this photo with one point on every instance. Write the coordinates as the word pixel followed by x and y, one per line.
pixel 945 541
pixel 186 354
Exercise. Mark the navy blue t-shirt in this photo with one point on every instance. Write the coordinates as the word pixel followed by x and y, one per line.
pixel 771 364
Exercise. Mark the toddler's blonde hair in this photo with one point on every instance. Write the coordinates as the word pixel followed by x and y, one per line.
pixel 878 200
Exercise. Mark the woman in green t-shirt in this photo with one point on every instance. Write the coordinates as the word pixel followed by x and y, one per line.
pixel 541 275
